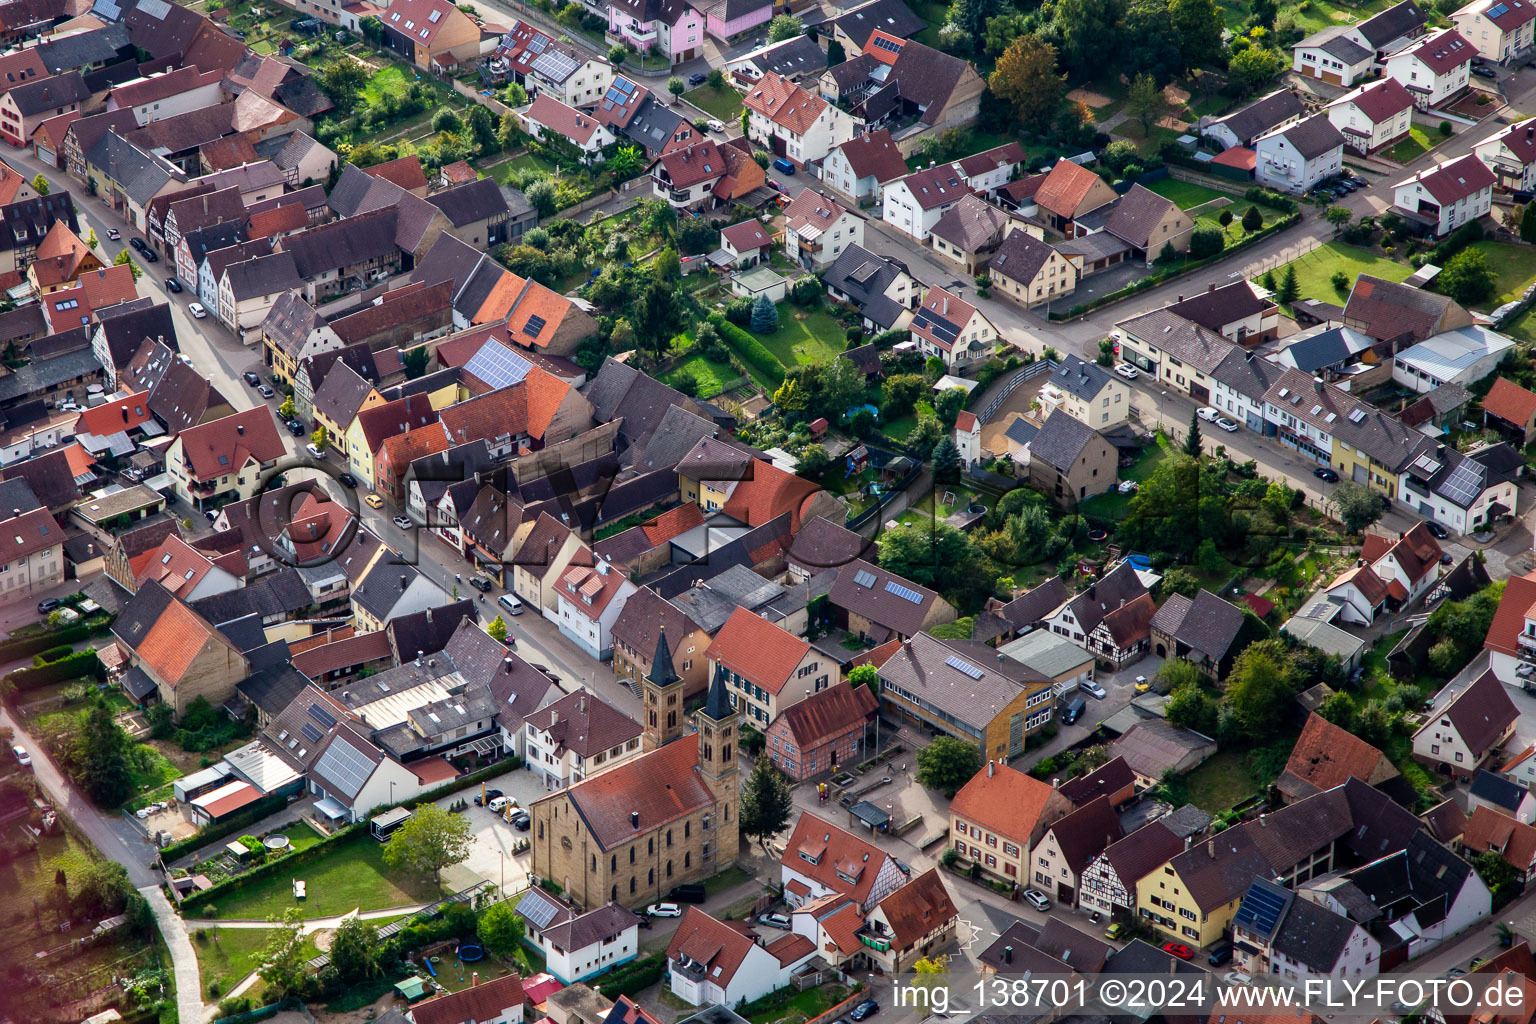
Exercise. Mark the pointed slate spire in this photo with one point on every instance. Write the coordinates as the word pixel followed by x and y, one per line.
pixel 718 707
pixel 663 672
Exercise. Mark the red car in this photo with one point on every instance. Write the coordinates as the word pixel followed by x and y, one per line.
pixel 1179 950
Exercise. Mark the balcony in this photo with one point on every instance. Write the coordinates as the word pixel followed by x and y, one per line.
pixel 1527 643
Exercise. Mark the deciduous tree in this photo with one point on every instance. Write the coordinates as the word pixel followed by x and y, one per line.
pixel 283 960
pixel 1199 24
pixel 784 26
pixel 1254 66
pixel 1146 102
pixel 500 928
pixel 1467 278
pixel 356 952
pixel 1026 78
pixel 430 839
pixel 948 763
pixel 1090 33
pixel 1358 506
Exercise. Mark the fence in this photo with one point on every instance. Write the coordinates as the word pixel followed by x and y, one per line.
pixel 889 496
pixel 292 1004
pixel 319 963
pixel 491 103
pixel 1029 372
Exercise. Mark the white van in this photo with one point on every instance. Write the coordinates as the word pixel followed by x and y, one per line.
pixel 511 604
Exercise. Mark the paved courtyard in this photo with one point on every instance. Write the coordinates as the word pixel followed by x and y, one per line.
pixel 491 859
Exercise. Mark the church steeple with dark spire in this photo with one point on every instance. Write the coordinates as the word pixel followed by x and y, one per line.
pixel 717 737
pixel 663 692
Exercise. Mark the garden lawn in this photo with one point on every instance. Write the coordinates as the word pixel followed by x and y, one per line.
pixel 525 162
pixel 789 1005
pixel 804 336
pixel 1315 270
pixel 387 81
pixel 1415 145
pixel 1523 327
pixel 1112 505
pixel 30 876
pixel 1186 194
pixel 723 103
pixel 1513 266
pixel 712 377
pixel 1220 783
pixel 351 875
pixel 226 955
pixel 1234 232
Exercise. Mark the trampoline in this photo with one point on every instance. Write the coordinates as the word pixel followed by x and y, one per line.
pixel 469 953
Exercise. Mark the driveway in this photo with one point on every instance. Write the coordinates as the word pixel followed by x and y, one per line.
pixel 491 859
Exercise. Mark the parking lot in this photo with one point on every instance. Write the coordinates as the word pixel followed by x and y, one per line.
pixel 491 858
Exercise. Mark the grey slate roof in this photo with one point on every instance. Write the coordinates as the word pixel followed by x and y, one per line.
pixel 1083 379
pixel 140 174
pixel 290 323
pixel 42 374
pixel 675 436
pixel 1392 23
pixel 651 125
pixel 341 394
pixel 70 53
pixel 1134 215
pixel 44 94
pixel 1329 348
pixel 1021 256
pixel 1208 624
pixel 264 275
pixel 1061 440
pixel 470 202
pixel 343 243
pixel 1261 115
pixel 380 590
pixel 1215 307
pixel 922 668
pixel 1314 136
pixel 1186 340
pixel 1248 374
pixel 892 16
pixel 797 55
pixel 864 277
pixel 1313 935
pixel 1498 790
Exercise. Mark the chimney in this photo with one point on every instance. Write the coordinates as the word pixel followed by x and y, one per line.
pixel 991 767
pixel 506 664
pixel 554 719
pixel 634 819
pixel 474 979
pixel 1210 288
pixel 1317 384
pixel 1262 822
pixel 419 655
pixel 1210 848
pixel 90 547
pixel 582 704
pixel 405 581
pixel 1056 783
pixel 1181 298
pixel 429 616
pixel 1007 954
pixel 239 427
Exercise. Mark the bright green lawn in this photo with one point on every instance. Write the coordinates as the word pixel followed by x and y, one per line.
pixel 723 103
pixel 1187 194
pixel 152 769
pixel 352 875
pixel 1234 231
pixel 525 162
pixel 226 955
pixel 387 81
pixel 1513 266
pixel 1315 270
pixel 712 377
pixel 1411 148
pixel 31 875
pixel 1523 327
pixel 1220 783
pixel 1112 504
pixel 805 336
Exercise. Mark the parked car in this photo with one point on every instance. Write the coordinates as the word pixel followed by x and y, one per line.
pixel 1326 474
pixel 373 501
pixel 295 428
pixel 22 757
pixel 46 606
pixel 778 921
pixel 1436 530
pixel 266 392
pixel 1179 950
pixel 688 892
pixel 252 378
pixel 497 804
pixel 1093 689
pixel 1484 72
pixel 137 243
pixel 1127 371
pixel 697 78
pixel 174 285
pixel 511 603
pixel 1226 424
pixel 347 480
pixel 521 821
pixel 664 910
pixel 1114 931
pixel 1037 899
pixel 315 450
pixel 868 1008
pixel 784 166
pixel 1142 685
pixel 404 522
pixel 197 310
pixel 1208 414
pixel 1220 955
pixel 114 234
pixel 716 126
pixel 1074 710
pixel 490 794
pixel 481 584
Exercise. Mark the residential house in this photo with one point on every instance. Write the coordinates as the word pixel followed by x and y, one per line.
pixel 675 26
pixel 24 107
pixel 1239 312
pixel 794 123
pixel 853 27
pixel 999 817
pixel 766 669
pixel 1065 663
pixel 1296 158
pixel 1086 392
pixel 347 254
pixel 1500 30
pixel 1464 725
pixel 915 203
pixel 1181 352
pixel 1492 831
pixel 1443 197
pixel 797 59
pixel 1202 631
pixel 1342 54
pixel 177 652
pixel 1463 491
pixel 543 65
pixel 1374 116
pixel 970 233
pixel 550 120
pixel 705 175
pixel 876 604
pixel 822 732
pixel 590 599
pixel 578 945
pixel 1511 410
pixel 1111 618
pixel 30 221
pixel 1242 128
pixel 1031 271
pixel 1510 153
pixel 389 590
pixel 916 89
pixel 952 329
pixel 821 860
pixel 33 556
pixel 883 289
pixel 641 629
pixel 1463 356
pixel 430 33
pixel 225 459
pixel 817 230
pixel 168 93
pixel 1070 461
pixel 1108 882
pixel 481 213
pixel 860 168
pixel 1293 938
pixel 502 1001
pixel 1397 315
pixel 1070 844
pixel 712 963
pixel 1435 68
pixel 575 737
pixel 746 243
pixel 1068 192
pixel 249 289
pixel 961 688
pixel 728 22
pixel 910 923
pixel 292 332
pixel 1503 795
pixel 1326 756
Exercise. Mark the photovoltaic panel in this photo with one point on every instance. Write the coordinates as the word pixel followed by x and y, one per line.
pixel 311 733
pixel 498 365
pixel 321 715
pixel 1464 483
pixel 344 764
pixel 864 578
pixel 963 666
pixel 537 909
pixel 904 592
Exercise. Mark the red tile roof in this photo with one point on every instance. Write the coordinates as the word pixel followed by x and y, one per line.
pixel 214 449
pixel 919 908
pixel 504 411
pixel 175 565
pixel 391 419
pixel 589 591
pixel 828 714
pixel 115 416
pixel 1510 402
pixel 486 1001
pixel 1004 800
pixel 1455 179
pixel 535 300
pixel 1327 756
pixel 352 650
pixel 838 856
pixel 784 103
pixel 1065 188
pixel 1444 50
pixel 563 120
pixel 715 944
pixel 406 171
pixel 874 156
pixel 606 800
pixel 1488 829
pixel 175 640
pixel 755 648
pixel 1366 581
pixel 746 236
pixel 672 523
pixel 280 220
pixel 884 47
pixel 1381 101
pixel 29 532
pixel 1509 620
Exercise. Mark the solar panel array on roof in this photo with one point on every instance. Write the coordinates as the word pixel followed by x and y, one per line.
pixel 1464 483
pixel 537 909
pixel 1261 910
pixel 344 764
pixel 534 325
pixel 1497 11
pixel 322 716
pixel 889 45
pixel 904 592
pixel 960 665
pixel 864 578
pixel 311 733
pixel 156 9
pixel 498 365
pixel 556 65
pixel 537 44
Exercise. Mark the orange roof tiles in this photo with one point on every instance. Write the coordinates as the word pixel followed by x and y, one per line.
pixel 672 523
pixel 1065 188
pixel 597 589
pixel 1488 829
pixel 222 446
pixel 1004 800
pixel 919 908
pixel 398 452
pixel 175 639
pixel 175 565
pixel 606 801
pixel 1327 756
pixel 280 220
pixel 79 460
pixel 493 414
pixel 715 944
pixel 768 494
pixel 115 416
pixel 1510 402
pixel 755 648
pixel 536 301
pixel 884 47
pixel 405 172
pixel 784 103
pixel 838 856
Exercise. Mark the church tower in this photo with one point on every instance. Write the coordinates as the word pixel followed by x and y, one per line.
pixel 662 717
pixel 717 764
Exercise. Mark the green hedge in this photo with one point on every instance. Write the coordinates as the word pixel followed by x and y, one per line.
pixel 1273 200
pixel 749 348
pixel 76 666
pixel 252 814
pixel 634 977
pixel 198 901
pixel 52 654
pixel 26 646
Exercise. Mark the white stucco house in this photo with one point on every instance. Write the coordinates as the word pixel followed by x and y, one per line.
pixel 1500 29
pixel 1295 158
pixel 1510 154
pixel 1444 197
pixel 1373 116
pixel 712 963
pixel 589 601
pixel 793 123
pixel 575 945
pixel 1434 68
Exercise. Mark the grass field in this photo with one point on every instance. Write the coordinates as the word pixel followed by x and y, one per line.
pixel 1112 505
pixel 525 162
pixel 31 876
pixel 1411 148
pixel 723 103
pixel 804 336
pixel 1234 232
pixel 351 876
pixel 1186 194
pixel 1513 266
pixel 387 81
pixel 1315 270
pixel 712 377
pixel 226 955
pixel 1220 782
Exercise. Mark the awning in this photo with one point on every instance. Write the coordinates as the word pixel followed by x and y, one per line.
pixel 411 988
pixel 137 684
pixel 1497 509
pixel 869 814
pixel 330 807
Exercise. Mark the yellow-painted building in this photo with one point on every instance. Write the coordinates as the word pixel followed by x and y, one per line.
pixel 1380 478
pixel 338 434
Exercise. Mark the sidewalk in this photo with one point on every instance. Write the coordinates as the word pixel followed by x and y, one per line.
pixel 189 984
